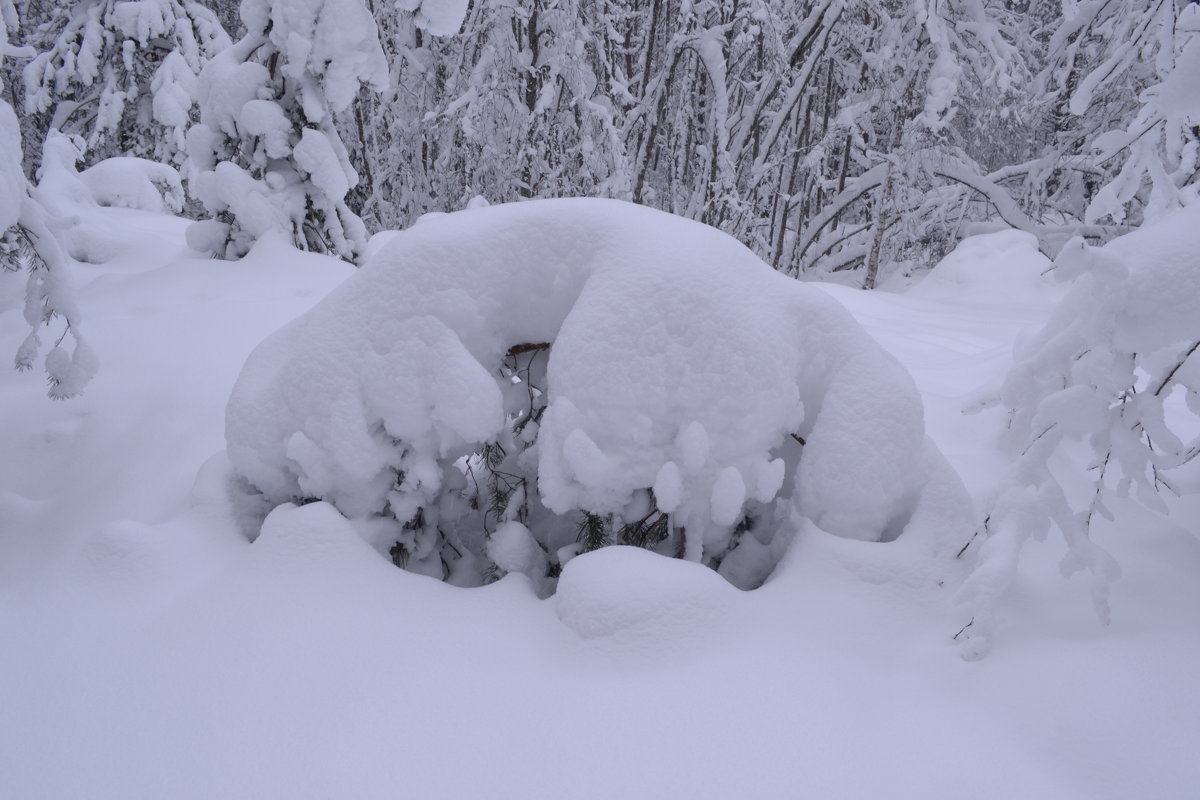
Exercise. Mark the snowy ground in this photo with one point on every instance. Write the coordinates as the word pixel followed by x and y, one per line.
pixel 150 651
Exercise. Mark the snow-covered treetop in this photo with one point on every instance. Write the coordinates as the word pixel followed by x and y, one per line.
pixel 267 155
pixel 439 17
pixel 328 46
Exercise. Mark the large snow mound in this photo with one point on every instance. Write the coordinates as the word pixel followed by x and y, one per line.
pixel 681 369
pixel 1000 267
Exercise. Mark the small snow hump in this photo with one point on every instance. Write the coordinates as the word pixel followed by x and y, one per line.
pixel 625 591
pixel 600 373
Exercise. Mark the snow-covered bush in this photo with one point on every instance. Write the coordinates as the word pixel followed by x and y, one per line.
pixel 502 388
pixel 1115 367
pixel 266 155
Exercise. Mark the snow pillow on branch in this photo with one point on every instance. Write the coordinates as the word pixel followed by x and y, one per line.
pixel 127 182
pixel 503 388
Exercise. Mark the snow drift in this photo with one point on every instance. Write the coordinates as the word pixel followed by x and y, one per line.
pixel 575 373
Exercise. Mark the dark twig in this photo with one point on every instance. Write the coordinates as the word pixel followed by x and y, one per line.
pixel 986 520
pixel 527 347
pixel 1170 375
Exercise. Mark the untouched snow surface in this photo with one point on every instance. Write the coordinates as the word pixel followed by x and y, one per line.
pixel 149 650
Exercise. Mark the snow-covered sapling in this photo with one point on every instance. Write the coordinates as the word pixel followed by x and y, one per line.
pixel 266 155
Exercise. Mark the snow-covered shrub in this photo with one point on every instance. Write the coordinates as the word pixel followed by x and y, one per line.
pixel 502 388
pixel 122 74
pixel 266 155
pixel 1115 367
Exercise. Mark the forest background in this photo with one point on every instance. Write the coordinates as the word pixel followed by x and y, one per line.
pixel 838 139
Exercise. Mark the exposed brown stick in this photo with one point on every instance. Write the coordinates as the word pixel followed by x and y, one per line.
pixel 527 347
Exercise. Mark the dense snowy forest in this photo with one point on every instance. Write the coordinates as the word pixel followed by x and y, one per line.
pixel 562 301
pixel 829 136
